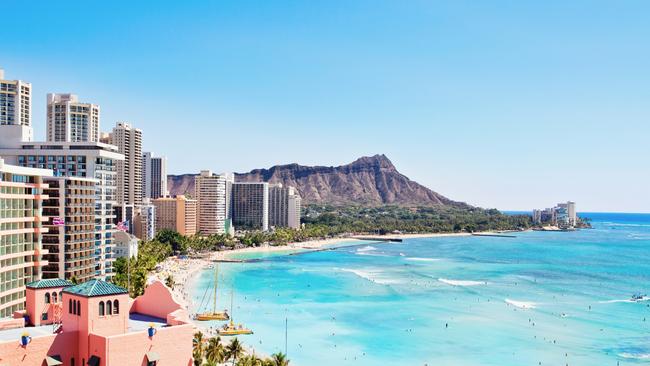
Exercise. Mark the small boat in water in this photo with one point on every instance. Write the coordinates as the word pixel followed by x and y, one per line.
pixel 638 297
pixel 214 314
pixel 231 329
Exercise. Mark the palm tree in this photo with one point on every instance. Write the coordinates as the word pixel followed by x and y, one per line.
pixel 169 281
pixel 250 360
pixel 198 348
pixel 198 357
pixel 279 359
pixel 210 363
pixel 234 350
pixel 214 350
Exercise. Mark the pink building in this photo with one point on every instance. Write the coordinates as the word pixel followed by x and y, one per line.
pixel 96 324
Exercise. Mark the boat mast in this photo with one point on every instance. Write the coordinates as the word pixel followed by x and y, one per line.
pixel 216 281
pixel 232 295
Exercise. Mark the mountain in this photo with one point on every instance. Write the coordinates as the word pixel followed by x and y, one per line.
pixel 371 180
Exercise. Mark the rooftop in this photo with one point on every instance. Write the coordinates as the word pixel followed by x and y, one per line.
pixel 95 288
pixel 49 283
pixel 138 322
pixel 15 333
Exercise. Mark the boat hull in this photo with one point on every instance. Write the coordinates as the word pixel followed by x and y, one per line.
pixel 212 316
pixel 234 332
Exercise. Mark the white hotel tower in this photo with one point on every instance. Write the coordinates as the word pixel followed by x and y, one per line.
pixel 69 120
pixel 15 109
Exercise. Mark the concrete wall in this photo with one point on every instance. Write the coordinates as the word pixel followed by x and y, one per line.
pixel 156 301
pixel 172 344
pixel 36 305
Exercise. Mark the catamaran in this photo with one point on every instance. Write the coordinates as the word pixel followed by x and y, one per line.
pixel 231 329
pixel 214 314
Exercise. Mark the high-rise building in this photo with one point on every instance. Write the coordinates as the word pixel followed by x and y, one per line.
pixel 129 171
pixel 210 191
pixel 70 240
pixel 84 160
pixel 15 110
pixel 21 217
pixel 144 222
pixel 154 180
pixel 123 215
pixel 573 216
pixel 69 120
pixel 284 206
pixel 295 206
pixel 178 214
pixel 250 206
pixel 562 215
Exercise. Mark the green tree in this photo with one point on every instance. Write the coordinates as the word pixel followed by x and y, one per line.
pixel 279 359
pixel 214 350
pixel 169 281
pixel 198 348
pixel 177 241
pixel 234 350
pixel 250 360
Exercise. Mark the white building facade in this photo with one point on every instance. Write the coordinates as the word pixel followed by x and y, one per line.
pixel 69 120
pixel 129 171
pixel 84 160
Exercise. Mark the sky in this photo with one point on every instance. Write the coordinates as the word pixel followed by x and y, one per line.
pixel 502 104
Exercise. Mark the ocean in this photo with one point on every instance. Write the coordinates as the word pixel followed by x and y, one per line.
pixel 541 298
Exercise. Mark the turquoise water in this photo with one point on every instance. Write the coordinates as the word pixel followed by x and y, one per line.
pixel 554 298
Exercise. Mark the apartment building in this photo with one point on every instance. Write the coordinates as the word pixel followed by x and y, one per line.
pixel 250 206
pixel 21 230
pixel 69 120
pixel 144 221
pixel 82 160
pixel 178 214
pixel 154 176
pixel 284 206
pixel 210 191
pixel 15 109
pixel 129 171
pixel 70 239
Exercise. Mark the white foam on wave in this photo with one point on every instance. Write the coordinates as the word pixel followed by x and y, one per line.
pixel 637 356
pixel 521 304
pixel 461 282
pixel 418 259
pixel 372 275
pixel 623 225
pixel 367 248
pixel 644 298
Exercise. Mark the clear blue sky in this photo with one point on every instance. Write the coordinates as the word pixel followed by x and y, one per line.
pixel 506 104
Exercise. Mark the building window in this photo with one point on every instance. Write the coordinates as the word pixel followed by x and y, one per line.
pixel 78 308
pixel 47 297
pixel 44 316
pixel 116 307
pixel 109 307
pixel 70 306
pixel 101 308
pixel 54 297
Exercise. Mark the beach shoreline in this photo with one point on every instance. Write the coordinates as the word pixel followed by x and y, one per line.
pixel 185 270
